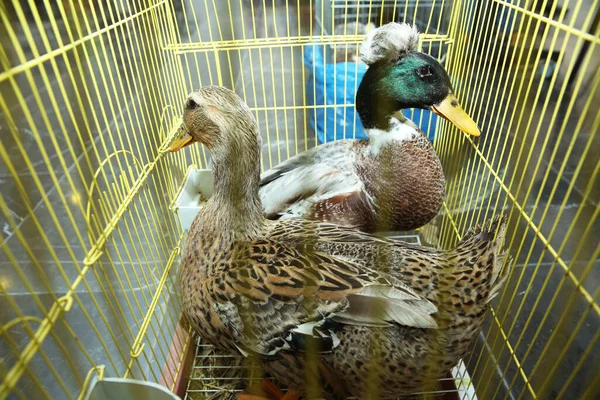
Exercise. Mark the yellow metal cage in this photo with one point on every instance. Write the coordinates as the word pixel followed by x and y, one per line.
pixel 91 94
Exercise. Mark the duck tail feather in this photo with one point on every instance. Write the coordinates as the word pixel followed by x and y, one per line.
pixel 492 231
pixel 495 227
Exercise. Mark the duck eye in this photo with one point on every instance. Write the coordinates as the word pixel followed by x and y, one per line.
pixel 191 104
pixel 423 71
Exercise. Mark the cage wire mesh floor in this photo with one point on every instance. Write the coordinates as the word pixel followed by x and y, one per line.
pixel 90 97
pixel 222 376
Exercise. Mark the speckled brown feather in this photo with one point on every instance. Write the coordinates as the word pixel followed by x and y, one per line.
pixel 246 283
pixel 460 283
pixel 289 275
pixel 279 286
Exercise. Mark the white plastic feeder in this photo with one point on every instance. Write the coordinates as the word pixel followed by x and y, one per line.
pixel 197 188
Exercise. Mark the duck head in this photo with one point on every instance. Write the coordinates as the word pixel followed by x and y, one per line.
pixel 218 118
pixel 401 77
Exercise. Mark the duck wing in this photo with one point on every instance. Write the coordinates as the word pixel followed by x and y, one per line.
pixel 314 183
pixel 273 295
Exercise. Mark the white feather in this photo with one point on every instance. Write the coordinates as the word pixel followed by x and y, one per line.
pixel 244 352
pixel 321 175
pixel 391 292
pixel 399 131
pixel 381 305
pixel 307 328
pixel 388 42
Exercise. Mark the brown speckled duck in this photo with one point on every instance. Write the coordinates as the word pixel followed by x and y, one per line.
pixel 330 311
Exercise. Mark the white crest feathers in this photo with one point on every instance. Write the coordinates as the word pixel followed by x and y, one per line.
pixel 388 42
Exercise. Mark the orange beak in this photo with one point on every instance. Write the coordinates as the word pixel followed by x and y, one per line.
pixel 453 112
pixel 183 139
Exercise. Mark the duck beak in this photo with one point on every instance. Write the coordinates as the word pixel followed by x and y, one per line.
pixel 183 139
pixel 453 112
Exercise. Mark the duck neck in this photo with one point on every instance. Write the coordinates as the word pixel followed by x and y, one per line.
pixel 236 172
pixel 376 107
pixel 376 118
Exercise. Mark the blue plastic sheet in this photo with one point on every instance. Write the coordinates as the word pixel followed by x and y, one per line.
pixel 332 85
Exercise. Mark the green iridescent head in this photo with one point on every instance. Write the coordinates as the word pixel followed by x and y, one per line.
pixel 401 77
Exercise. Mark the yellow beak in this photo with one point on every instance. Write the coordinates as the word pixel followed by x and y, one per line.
pixel 453 112
pixel 184 139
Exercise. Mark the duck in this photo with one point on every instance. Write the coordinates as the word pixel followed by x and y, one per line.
pixel 392 181
pixel 328 310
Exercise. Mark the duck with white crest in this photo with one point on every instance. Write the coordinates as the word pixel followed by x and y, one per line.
pixel 392 181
